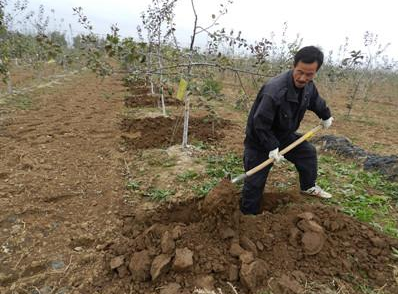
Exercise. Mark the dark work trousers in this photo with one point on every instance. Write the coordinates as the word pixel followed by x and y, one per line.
pixel 302 156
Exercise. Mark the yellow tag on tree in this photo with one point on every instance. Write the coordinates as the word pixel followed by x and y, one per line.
pixel 182 88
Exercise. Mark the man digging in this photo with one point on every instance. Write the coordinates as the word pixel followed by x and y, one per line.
pixel 272 124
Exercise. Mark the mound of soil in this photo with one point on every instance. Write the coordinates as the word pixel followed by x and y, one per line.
pixel 138 90
pixel 148 100
pixel 161 132
pixel 209 244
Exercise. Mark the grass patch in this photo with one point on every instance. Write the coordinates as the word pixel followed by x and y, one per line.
pixel 222 166
pixel 133 185
pixel 367 196
pixel 22 102
pixel 158 194
pixel 159 158
pixel 217 168
pixel 187 176
pixel 200 145
pixel 203 189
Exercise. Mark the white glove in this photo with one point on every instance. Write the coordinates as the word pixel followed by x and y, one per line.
pixel 327 122
pixel 276 156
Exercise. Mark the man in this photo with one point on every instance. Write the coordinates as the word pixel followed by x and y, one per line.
pixel 275 116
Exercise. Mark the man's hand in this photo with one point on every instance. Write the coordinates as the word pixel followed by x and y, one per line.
pixel 276 156
pixel 327 122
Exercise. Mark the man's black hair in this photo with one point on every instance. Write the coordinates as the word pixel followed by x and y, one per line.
pixel 309 54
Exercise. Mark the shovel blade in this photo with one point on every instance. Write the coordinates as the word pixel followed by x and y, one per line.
pixel 238 178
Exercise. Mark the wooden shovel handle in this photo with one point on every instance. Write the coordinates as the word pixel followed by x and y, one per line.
pixel 300 140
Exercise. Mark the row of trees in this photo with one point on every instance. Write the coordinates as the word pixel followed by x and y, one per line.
pixel 157 58
pixel 26 40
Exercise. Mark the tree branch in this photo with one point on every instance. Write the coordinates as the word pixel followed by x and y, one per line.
pixel 212 65
pixel 194 27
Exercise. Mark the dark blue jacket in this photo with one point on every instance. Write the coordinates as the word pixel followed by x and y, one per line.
pixel 277 112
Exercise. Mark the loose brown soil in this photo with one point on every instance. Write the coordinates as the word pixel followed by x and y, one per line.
pixel 207 245
pixel 59 186
pixel 161 132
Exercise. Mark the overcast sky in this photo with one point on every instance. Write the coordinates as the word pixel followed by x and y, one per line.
pixel 319 22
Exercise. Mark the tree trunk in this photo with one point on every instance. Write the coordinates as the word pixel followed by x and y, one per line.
pixel 161 77
pixel 162 101
pixel 186 122
pixel 189 70
pixel 9 83
pixel 149 61
pixel 152 88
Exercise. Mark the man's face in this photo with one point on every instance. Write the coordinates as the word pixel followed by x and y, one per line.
pixel 304 73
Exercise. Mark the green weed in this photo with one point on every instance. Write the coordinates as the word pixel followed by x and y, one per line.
pixel 204 189
pixel 133 185
pixel 158 194
pixel 217 168
pixel 164 161
pixel 200 145
pixel 22 102
pixel 364 289
pixel 221 166
pixel 187 176
pixel 367 196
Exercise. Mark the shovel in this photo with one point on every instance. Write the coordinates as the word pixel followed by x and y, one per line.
pixel 259 167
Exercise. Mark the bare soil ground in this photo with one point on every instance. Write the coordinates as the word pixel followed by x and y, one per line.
pixel 59 186
pixel 66 226
pixel 25 76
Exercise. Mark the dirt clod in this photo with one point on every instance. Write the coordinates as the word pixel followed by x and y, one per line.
pixel 160 265
pixel 248 245
pixel 140 266
pixel 172 288
pixel 205 282
pixel 312 242
pixel 378 242
pixel 117 262
pixel 253 274
pixel 227 233
pixel 288 285
pixel 236 250
pixel 246 257
pixel 183 259
pixel 167 243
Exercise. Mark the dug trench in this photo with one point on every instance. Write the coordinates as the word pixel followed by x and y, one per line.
pixel 161 132
pixel 147 100
pixel 208 244
pixel 140 96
